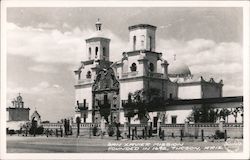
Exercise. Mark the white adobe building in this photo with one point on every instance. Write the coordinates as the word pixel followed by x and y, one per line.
pixel 103 85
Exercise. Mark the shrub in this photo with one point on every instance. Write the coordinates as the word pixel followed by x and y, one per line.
pixel 11 131
pixel 39 130
pixel 111 130
pixel 219 134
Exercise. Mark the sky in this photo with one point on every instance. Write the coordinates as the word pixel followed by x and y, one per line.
pixel 45 46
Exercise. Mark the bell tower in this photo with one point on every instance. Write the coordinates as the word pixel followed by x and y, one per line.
pixel 98 45
pixel 142 37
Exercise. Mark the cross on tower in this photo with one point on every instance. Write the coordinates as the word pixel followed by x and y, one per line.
pixel 98 25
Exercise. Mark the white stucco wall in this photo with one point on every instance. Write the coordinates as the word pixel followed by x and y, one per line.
pixel 15 124
pixel 85 70
pixel 189 92
pixel 181 115
pixel 171 88
pixel 129 86
pixel 84 93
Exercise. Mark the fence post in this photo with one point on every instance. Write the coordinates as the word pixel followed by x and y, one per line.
pixel 143 136
pixel 163 135
pixel 61 132
pixel 196 131
pixel 129 130
pixel 133 134
pixel 159 132
pixel 172 135
pixel 181 135
pixel 135 131
pixel 225 135
pixel 202 135
pixel 186 128
pixel 150 123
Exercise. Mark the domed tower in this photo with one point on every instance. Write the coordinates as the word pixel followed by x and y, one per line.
pixel 98 45
pixel 96 84
pixel 178 70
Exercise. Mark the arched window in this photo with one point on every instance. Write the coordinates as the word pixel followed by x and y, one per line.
pixel 151 67
pixel 150 43
pixel 103 51
pixel 133 67
pixel 142 41
pixel 134 43
pixel 96 52
pixel 88 76
pixel 89 53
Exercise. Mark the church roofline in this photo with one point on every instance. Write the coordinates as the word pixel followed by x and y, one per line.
pixel 17 108
pixel 136 52
pixel 204 100
pixel 96 39
pixel 142 26
pixel 197 82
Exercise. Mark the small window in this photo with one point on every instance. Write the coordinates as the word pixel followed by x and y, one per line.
pixel 104 52
pixel 151 67
pixel 173 119
pixel 170 96
pixel 89 53
pixel 88 76
pixel 134 43
pixel 133 67
pixel 96 52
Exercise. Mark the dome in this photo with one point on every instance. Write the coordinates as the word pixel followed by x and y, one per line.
pixel 178 68
pixel 98 34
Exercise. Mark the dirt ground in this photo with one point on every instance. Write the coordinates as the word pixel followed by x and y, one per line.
pixel 86 144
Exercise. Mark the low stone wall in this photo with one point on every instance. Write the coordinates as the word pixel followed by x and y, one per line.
pixel 234 130
pixel 87 128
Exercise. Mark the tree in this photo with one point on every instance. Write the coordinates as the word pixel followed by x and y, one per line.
pixel 204 114
pixel 141 102
pixel 104 111
pixel 224 113
pixel 236 111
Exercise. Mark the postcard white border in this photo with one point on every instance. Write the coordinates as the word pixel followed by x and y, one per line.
pixel 243 4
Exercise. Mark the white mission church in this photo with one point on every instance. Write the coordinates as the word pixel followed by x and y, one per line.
pixel 105 87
